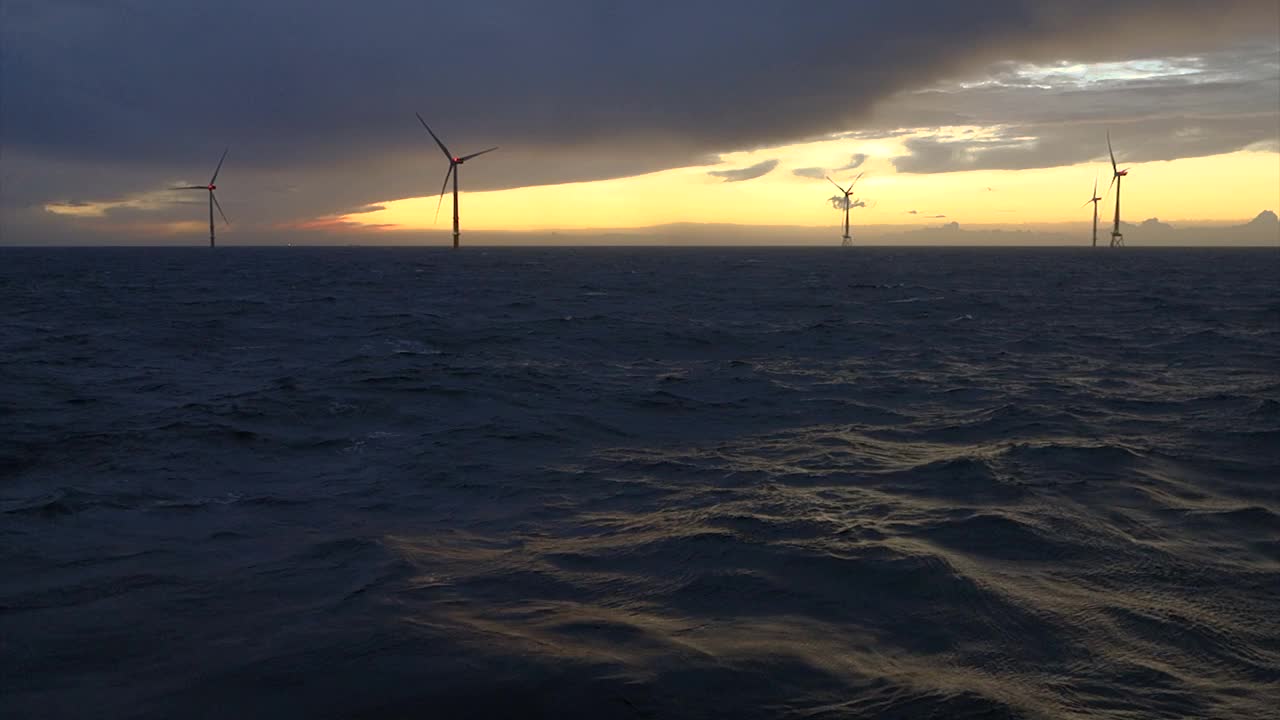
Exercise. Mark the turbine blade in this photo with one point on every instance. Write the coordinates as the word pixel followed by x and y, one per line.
pixel 219 206
pixel 443 149
pixel 442 189
pixel 1111 152
pixel 1095 186
pixel 833 182
pixel 855 180
pixel 465 158
pixel 217 169
pixel 1113 183
pixel 190 187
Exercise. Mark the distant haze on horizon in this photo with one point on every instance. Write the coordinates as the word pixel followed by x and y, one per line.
pixel 640 123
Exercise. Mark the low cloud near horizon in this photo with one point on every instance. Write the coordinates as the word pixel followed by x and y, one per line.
pixel 746 173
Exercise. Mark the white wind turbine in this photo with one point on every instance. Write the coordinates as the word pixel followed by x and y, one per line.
pixel 846 240
pixel 213 199
pixel 1095 200
pixel 1117 239
pixel 454 162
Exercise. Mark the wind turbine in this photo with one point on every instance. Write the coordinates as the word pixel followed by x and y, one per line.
pixel 846 241
pixel 1095 200
pixel 213 200
pixel 1117 239
pixel 454 162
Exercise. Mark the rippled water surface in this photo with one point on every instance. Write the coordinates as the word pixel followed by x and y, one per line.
pixel 413 483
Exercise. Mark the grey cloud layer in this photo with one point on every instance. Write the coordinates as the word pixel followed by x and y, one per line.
pixel 321 94
pixel 1229 102
pixel 746 173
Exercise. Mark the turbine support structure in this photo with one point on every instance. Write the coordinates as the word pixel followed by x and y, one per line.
pixel 456 233
pixel 1117 238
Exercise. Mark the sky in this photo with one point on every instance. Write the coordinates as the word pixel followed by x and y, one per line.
pixel 630 116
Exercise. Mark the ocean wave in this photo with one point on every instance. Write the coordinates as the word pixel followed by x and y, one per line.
pixel 639 483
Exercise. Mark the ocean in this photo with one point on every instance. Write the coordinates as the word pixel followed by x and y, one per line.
pixel 649 483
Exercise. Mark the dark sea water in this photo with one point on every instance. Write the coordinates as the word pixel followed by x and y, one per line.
pixel 651 483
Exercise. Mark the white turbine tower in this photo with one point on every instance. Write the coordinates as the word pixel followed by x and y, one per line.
pixel 454 162
pixel 1095 200
pixel 1117 239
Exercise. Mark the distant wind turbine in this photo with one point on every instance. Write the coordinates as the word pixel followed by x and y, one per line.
pixel 1095 200
pixel 1117 239
pixel 454 162
pixel 846 241
pixel 213 200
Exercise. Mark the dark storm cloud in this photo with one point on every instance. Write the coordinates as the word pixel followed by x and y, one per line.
pixel 320 95
pixel 746 173
pixel 1029 146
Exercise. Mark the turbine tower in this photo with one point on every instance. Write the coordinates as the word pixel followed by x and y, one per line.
pixel 1095 200
pixel 213 199
pixel 1117 239
pixel 454 162
pixel 845 240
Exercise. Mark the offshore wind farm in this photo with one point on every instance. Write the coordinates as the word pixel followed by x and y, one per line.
pixel 679 433
pixel 844 202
